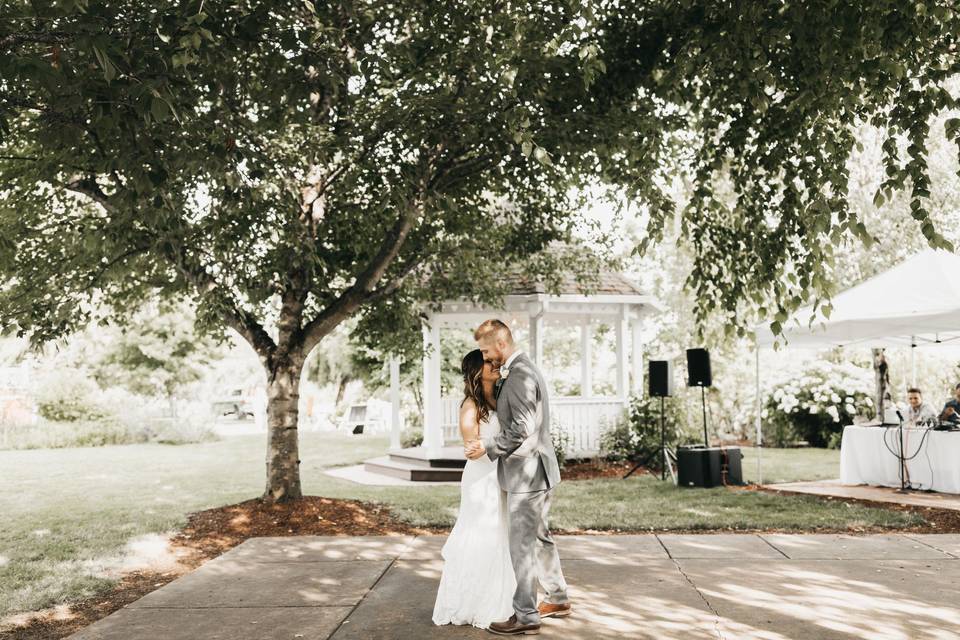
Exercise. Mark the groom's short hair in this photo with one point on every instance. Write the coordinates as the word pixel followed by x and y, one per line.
pixel 493 329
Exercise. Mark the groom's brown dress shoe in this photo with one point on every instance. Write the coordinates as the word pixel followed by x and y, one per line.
pixel 549 610
pixel 513 628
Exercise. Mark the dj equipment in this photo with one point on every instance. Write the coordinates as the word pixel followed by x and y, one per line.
pixel 660 385
pixel 660 378
pixel 699 466
pixel 698 368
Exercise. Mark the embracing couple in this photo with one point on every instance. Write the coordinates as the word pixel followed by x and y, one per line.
pixel 500 547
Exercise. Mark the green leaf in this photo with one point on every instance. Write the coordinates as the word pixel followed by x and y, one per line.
pixel 159 109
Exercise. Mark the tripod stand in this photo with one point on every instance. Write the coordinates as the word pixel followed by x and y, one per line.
pixel 665 453
pixel 902 459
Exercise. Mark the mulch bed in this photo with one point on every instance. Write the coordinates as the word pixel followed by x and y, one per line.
pixel 588 469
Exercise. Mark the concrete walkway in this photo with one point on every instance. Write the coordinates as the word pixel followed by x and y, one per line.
pixel 877 494
pixel 668 586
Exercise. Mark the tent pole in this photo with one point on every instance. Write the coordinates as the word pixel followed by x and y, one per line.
pixel 758 408
pixel 913 361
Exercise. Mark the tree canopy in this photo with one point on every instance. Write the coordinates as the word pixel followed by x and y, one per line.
pixel 287 165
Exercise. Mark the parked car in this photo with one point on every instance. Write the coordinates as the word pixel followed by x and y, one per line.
pixel 235 405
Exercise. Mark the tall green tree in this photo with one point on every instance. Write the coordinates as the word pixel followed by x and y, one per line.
pixel 156 353
pixel 288 165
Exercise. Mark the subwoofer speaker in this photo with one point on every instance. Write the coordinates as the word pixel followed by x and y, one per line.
pixel 699 466
pixel 698 368
pixel 660 379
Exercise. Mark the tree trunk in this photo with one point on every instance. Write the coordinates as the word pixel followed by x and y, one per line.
pixel 341 391
pixel 283 454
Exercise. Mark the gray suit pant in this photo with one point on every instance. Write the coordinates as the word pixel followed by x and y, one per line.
pixel 534 554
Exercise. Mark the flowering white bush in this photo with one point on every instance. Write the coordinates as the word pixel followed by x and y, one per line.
pixel 817 404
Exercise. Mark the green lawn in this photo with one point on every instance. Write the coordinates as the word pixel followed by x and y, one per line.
pixel 65 509
pixel 790 465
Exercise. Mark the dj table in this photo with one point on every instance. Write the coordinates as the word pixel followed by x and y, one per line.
pixel 869 455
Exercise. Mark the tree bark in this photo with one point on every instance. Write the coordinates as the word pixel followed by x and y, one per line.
pixel 341 391
pixel 283 451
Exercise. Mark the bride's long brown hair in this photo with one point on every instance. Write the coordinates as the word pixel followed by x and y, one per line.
pixel 472 369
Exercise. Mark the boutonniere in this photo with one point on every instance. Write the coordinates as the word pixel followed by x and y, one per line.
pixel 504 372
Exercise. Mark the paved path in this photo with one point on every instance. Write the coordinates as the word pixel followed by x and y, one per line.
pixel 769 587
pixel 878 494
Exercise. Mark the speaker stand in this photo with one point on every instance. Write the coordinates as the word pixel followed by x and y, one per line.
pixel 703 405
pixel 662 452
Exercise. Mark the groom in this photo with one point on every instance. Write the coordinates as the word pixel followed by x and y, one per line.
pixel 528 472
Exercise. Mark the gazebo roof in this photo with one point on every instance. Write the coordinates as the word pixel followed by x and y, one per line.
pixel 609 294
pixel 608 283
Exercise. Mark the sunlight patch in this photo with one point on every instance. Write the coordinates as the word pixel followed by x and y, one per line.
pixel 151 552
pixel 699 512
pixel 4 560
pixel 41 532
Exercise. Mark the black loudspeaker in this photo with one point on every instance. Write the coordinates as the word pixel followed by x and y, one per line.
pixel 698 368
pixel 660 379
pixel 699 466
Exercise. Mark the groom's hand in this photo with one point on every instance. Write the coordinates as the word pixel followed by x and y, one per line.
pixel 474 450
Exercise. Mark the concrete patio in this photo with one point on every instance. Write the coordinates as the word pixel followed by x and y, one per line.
pixel 770 586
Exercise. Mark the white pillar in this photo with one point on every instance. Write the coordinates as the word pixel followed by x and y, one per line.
pixel 586 358
pixel 636 357
pixel 395 425
pixel 432 427
pixel 622 355
pixel 536 337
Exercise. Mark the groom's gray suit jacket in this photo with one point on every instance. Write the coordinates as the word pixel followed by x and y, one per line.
pixel 523 446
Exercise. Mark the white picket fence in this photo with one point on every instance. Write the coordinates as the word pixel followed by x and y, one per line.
pixel 584 419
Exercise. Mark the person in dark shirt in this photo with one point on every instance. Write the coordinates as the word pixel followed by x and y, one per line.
pixel 951 410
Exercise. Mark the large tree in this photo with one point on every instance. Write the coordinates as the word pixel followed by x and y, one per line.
pixel 290 164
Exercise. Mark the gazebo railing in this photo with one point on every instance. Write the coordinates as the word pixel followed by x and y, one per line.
pixel 583 419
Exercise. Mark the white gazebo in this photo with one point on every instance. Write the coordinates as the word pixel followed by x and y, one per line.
pixel 530 311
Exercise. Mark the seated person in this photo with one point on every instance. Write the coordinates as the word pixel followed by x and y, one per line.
pixel 951 410
pixel 918 411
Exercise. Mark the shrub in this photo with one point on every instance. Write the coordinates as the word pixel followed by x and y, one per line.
pixel 47 434
pixel 636 437
pixel 815 406
pixel 68 395
pixel 411 437
pixel 561 442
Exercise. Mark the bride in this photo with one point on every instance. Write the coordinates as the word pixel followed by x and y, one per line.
pixel 478 582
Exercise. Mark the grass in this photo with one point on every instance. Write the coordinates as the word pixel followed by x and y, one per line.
pixel 68 511
pixel 790 465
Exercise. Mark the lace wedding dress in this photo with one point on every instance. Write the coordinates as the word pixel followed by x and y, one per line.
pixel 477 584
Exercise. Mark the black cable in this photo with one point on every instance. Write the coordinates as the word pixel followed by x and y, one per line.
pixel 920 447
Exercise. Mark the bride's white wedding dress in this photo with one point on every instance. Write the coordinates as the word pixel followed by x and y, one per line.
pixel 477 584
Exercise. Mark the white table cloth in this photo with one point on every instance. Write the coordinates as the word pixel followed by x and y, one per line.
pixel 865 459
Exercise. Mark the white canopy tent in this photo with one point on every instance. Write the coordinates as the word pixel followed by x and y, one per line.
pixel 914 303
pixel 917 301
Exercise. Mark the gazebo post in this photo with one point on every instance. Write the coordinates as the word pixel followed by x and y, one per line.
pixel 586 358
pixel 432 427
pixel 394 402
pixel 636 357
pixel 622 355
pixel 536 334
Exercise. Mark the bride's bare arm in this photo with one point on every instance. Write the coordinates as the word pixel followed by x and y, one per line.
pixel 469 422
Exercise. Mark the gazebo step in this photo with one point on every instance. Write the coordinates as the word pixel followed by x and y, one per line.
pixel 448 458
pixel 385 466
